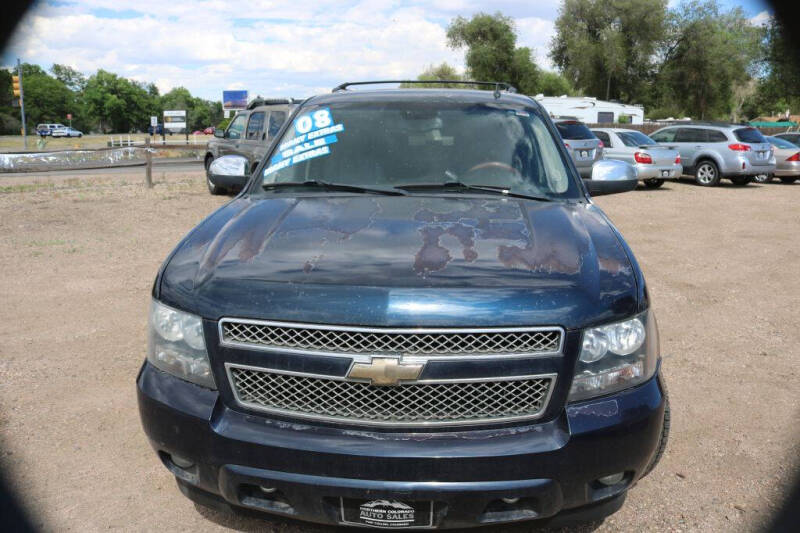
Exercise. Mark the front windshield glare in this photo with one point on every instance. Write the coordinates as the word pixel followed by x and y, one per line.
pixel 407 143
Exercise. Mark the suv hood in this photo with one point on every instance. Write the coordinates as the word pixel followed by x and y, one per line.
pixel 403 260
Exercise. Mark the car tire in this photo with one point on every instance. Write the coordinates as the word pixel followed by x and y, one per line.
pixel 707 173
pixel 664 437
pixel 741 181
pixel 763 178
pixel 788 181
pixel 653 183
pixel 215 190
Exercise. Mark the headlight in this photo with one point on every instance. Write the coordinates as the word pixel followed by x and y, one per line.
pixel 176 345
pixel 615 357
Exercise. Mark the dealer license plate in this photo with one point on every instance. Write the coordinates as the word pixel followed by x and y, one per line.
pixel 388 514
pixel 584 153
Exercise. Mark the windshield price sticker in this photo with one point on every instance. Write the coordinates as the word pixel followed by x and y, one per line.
pixel 314 132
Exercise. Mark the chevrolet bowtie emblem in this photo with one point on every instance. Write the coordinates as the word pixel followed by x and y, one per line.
pixel 385 371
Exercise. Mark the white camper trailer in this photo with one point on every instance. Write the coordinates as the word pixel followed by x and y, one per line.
pixel 590 110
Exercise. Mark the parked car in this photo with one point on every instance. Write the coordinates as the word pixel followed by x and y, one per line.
pixel 209 130
pixel 414 315
pixel 792 137
pixel 787 157
pixel 44 129
pixel 712 151
pixel 72 132
pixel 583 147
pixel 59 130
pixel 653 163
pixel 249 135
pixel 198 132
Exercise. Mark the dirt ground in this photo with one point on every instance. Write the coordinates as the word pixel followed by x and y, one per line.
pixel 79 256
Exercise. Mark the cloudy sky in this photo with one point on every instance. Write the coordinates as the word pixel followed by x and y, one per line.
pixel 271 48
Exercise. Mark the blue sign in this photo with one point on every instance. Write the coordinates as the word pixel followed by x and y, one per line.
pixel 234 99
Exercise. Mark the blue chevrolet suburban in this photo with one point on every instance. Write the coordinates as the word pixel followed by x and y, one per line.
pixel 412 316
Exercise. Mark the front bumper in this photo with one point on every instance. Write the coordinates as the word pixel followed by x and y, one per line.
pixel 551 466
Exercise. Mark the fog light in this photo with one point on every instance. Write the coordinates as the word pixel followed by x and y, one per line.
pixel 510 501
pixel 181 461
pixel 613 479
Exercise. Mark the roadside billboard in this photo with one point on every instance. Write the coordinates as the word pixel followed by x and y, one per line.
pixel 234 99
pixel 175 121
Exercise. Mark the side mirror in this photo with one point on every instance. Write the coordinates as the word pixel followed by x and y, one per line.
pixel 219 132
pixel 229 170
pixel 610 177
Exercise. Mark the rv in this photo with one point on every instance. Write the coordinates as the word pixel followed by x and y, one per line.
pixel 591 110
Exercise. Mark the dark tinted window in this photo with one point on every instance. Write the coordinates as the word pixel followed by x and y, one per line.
pixel 276 120
pixel 635 138
pixel 572 129
pixel 255 126
pixel 716 136
pixel 665 136
pixel 749 135
pixel 603 136
pixel 691 135
pixel 605 117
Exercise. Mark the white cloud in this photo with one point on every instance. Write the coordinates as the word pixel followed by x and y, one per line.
pixel 762 19
pixel 270 47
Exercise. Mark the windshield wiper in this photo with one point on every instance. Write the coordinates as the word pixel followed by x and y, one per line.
pixel 458 185
pixel 334 187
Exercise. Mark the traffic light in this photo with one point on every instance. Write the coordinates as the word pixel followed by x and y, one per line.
pixel 15 83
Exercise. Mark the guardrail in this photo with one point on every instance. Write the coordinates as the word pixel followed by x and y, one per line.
pixel 73 159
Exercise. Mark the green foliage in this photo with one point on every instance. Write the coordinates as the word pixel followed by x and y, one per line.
pixel 74 80
pixel 433 73
pixel 117 103
pixel 492 54
pixel 223 123
pixel 706 53
pixel 607 49
pixel 554 84
pixel 201 113
pixel 46 98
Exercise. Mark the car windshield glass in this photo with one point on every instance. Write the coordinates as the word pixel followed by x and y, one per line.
pixel 572 129
pixel 421 142
pixel 781 143
pixel 635 138
pixel 749 135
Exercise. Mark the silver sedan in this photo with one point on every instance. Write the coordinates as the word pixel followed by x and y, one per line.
pixel 787 158
pixel 653 163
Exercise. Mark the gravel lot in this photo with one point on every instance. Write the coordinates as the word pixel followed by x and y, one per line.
pixel 79 257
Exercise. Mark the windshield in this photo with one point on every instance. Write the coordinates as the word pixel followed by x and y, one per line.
pixel 749 135
pixel 574 130
pixel 781 143
pixel 635 138
pixel 404 143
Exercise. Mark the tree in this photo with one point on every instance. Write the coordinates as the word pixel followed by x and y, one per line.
pixel 74 80
pixel 46 98
pixel 436 72
pixel 607 48
pixel 554 84
pixel 118 104
pixel 705 54
pixel 492 54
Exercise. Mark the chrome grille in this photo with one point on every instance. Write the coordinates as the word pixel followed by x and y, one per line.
pixel 408 404
pixel 392 342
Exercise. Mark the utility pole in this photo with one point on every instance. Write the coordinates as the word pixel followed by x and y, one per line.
pixel 16 81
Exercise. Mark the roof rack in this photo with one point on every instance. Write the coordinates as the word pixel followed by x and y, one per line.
pixel 257 101
pixel 498 85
